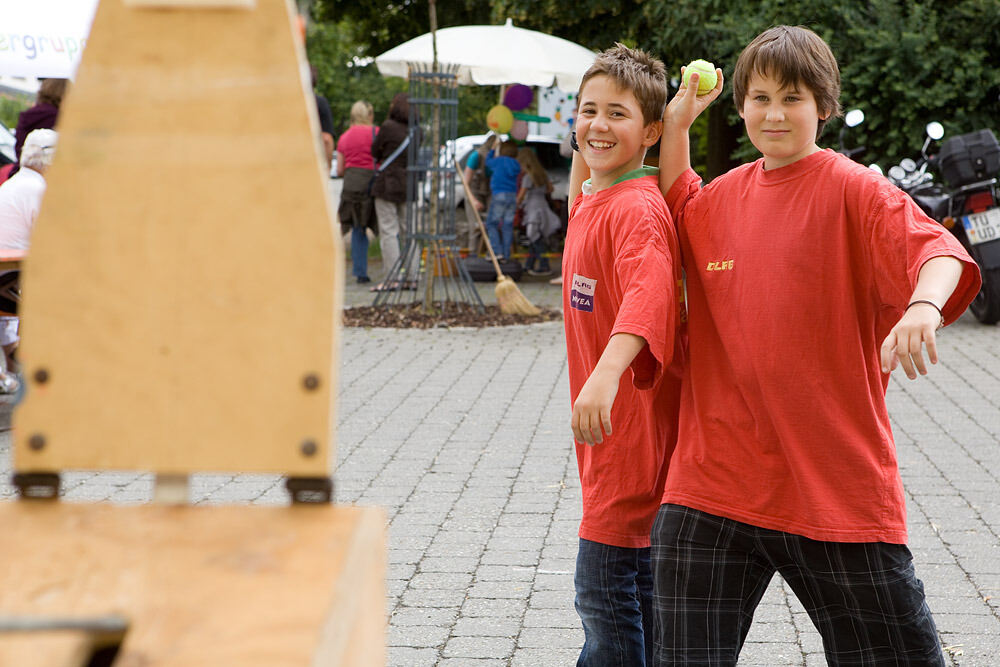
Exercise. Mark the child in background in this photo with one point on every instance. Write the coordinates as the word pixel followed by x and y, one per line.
pixel 540 221
pixel 479 195
pixel 785 459
pixel 503 186
pixel 622 312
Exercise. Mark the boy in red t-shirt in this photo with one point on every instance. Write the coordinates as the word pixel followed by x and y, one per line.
pixel 809 279
pixel 621 311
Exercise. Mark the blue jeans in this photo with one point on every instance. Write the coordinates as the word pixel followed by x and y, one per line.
pixel 614 598
pixel 536 253
pixel 359 251
pixel 500 222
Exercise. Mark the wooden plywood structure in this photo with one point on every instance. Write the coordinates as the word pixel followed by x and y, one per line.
pixel 180 314
pixel 182 291
pixel 248 586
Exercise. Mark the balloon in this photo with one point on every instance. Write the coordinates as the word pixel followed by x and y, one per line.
pixel 531 117
pixel 519 130
pixel 518 97
pixel 499 119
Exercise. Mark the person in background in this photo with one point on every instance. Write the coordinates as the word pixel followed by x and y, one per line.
pixel 390 184
pixel 479 184
pixel 540 221
pixel 503 199
pixel 20 200
pixel 21 195
pixel 325 123
pixel 40 116
pixel 356 166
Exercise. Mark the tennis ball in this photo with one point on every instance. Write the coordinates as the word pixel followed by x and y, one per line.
pixel 707 78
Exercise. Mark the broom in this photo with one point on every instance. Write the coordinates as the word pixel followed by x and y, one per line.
pixel 510 299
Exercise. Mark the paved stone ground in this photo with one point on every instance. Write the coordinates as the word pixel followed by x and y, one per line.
pixel 461 435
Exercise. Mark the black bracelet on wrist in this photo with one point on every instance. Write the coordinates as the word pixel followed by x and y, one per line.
pixel 929 303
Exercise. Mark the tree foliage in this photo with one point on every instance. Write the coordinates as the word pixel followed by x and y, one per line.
pixel 379 26
pixel 345 75
pixel 903 62
pixel 10 108
pixel 342 52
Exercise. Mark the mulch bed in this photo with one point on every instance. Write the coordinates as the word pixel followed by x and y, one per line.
pixel 410 316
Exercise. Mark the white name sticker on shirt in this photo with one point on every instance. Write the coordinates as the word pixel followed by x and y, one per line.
pixel 581 295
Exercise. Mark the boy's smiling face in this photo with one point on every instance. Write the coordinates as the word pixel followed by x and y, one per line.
pixel 781 120
pixel 610 129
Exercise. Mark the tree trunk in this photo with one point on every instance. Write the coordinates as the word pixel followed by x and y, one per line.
pixel 723 139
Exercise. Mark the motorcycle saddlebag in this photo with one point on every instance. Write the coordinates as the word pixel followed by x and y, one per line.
pixel 481 269
pixel 968 158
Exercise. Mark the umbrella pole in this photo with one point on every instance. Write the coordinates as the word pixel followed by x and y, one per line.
pixel 434 25
pixel 430 263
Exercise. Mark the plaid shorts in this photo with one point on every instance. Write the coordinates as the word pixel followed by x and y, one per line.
pixel 709 574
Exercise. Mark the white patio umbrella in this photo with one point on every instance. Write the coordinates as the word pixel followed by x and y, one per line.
pixel 490 55
pixel 43 38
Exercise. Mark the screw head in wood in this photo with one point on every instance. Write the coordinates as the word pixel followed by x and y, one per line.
pixel 311 382
pixel 41 376
pixel 308 448
pixel 37 442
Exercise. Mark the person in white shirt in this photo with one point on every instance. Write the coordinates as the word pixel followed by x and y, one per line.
pixel 21 195
pixel 20 199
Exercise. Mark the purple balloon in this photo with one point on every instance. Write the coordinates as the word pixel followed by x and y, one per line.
pixel 518 97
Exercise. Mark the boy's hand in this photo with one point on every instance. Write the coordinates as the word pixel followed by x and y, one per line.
pixel 592 409
pixel 904 344
pixel 687 105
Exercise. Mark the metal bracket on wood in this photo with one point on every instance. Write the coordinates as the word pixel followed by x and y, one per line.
pixel 310 490
pixel 37 485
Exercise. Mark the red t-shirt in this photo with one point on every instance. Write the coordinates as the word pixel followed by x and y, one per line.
pixel 794 278
pixel 356 146
pixel 621 274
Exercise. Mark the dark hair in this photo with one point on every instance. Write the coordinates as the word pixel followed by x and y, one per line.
pixel 52 91
pixel 636 71
pixel 794 55
pixel 399 108
pixel 508 148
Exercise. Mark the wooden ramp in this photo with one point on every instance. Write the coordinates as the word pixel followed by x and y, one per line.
pixel 247 586
pixel 181 307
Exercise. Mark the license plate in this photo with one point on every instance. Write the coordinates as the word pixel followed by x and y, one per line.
pixel 982 227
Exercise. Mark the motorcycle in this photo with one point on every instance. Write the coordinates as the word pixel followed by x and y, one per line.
pixel 852 119
pixel 965 201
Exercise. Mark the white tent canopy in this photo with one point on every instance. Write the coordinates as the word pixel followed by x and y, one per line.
pixel 490 55
pixel 43 38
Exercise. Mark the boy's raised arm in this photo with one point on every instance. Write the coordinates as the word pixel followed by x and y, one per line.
pixel 578 173
pixel 680 114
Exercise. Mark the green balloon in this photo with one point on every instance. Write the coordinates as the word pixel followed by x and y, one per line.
pixel 530 118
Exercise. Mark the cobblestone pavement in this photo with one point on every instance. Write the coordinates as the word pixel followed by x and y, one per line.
pixel 467 445
pixel 462 436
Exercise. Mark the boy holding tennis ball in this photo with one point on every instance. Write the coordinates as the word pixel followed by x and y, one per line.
pixel 622 316
pixel 809 279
